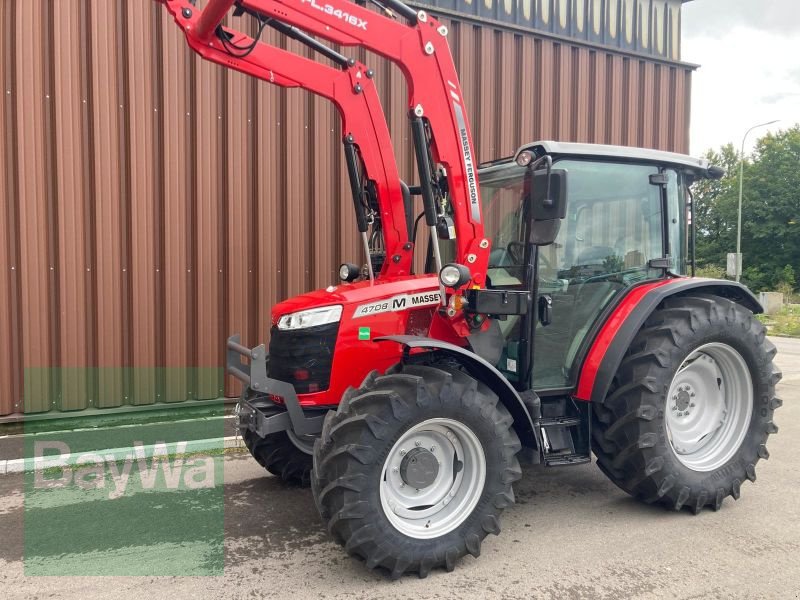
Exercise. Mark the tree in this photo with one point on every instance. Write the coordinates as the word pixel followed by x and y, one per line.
pixel 770 210
pixel 770 234
pixel 715 209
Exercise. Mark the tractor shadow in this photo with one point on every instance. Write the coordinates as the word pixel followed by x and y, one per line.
pixel 265 519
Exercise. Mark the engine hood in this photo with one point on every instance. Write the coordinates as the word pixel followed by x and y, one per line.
pixel 356 293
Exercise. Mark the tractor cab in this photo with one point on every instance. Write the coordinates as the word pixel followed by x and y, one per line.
pixel 626 222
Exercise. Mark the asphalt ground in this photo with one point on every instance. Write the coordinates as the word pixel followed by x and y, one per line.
pixel 572 534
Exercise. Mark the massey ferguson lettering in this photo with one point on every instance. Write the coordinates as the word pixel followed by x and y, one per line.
pixel 398 303
pixel 469 164
pixel 356 22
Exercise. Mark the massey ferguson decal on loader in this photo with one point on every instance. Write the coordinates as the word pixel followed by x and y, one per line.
pixel 569 323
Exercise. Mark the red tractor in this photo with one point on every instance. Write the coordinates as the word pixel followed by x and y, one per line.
pixel 555 317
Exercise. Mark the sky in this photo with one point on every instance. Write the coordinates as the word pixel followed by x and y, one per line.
pixel 749 57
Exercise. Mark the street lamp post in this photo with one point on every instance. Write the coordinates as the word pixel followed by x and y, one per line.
pixel 738 259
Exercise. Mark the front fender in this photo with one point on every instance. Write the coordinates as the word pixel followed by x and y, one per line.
pixel 484 372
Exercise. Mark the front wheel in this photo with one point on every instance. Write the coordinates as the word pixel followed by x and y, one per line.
pixel 414 469
pixel 691 407
pixel 283 454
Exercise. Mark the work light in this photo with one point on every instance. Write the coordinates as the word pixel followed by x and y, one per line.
pixel 349 272
pixel 454 275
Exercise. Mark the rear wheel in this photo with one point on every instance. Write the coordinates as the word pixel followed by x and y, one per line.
pixel 414 469
pixel 691 407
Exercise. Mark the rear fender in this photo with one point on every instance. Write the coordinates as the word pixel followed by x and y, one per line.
pixel 482 371
pixel 623 323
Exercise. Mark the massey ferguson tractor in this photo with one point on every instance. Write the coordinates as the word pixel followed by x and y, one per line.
pixel 555 316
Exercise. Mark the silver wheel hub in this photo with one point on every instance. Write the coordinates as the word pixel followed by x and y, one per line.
pixel 432 478
pixel 709 406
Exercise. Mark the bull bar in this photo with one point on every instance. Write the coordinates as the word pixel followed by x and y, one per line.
pixel 262 415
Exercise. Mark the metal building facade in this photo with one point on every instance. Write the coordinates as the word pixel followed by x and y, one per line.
pixel 152 203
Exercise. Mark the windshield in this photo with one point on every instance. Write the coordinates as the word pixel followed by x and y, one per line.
pixel 502 195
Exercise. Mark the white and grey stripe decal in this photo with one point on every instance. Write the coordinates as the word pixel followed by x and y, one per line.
pixel 469 164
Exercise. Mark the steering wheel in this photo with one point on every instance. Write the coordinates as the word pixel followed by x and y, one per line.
pixel 516 250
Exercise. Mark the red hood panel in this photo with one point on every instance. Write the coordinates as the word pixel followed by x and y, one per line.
pixel 352 293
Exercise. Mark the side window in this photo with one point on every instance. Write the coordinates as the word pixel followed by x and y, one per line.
pixel 677 213
pixel 613 228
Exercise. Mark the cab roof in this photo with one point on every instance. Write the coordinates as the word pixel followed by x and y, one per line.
pixel 697 165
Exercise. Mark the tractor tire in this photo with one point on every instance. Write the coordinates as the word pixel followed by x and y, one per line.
pixel 414 469
pixel 691 406
pixel 281 457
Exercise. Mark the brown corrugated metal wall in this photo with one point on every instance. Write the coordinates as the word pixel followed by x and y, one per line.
pixel 153 203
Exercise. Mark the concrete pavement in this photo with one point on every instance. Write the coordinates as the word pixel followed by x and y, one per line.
pixel 572 534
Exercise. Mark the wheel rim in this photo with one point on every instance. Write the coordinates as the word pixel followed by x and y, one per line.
pixel 446 459
pixel 709 406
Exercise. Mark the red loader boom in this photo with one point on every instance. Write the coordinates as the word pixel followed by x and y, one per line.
pixel 440 128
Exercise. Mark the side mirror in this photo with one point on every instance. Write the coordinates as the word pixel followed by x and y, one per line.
pixel 547 204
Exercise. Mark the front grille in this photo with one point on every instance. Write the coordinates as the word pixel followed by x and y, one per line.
pixel 303 357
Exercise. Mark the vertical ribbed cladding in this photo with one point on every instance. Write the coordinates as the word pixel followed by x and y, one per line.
pixel 580 131
pixel 73 210
pixel 177 202
pixel 239 193
pixel 36 292
pixel 216 114
pixel 545 84
pixel 10 385
pixel 487 116
pixel 322 146
pixel 270 208
pixel 178 157
pixel 144 207
pixel 108 203
pixel 298 185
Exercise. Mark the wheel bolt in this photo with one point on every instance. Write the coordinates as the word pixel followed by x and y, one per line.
pixel 680 414
pixel 692 394
pixel 691 405
pixel 402 452
pixel 433 448
pixel 418 443
pixel 675 396
pixel 395 470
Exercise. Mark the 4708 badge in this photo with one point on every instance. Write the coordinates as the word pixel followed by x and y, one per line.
pixel 397 303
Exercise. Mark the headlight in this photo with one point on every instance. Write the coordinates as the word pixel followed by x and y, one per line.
pixel 310 318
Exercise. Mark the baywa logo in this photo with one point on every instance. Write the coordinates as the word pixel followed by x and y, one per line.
pixel 328 9
pixel 116 473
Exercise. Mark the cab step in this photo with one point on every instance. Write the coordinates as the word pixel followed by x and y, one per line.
pixel 564 460
pixel 559 421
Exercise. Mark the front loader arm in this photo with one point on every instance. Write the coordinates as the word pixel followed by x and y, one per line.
pixel 352 91
pixel 417 43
